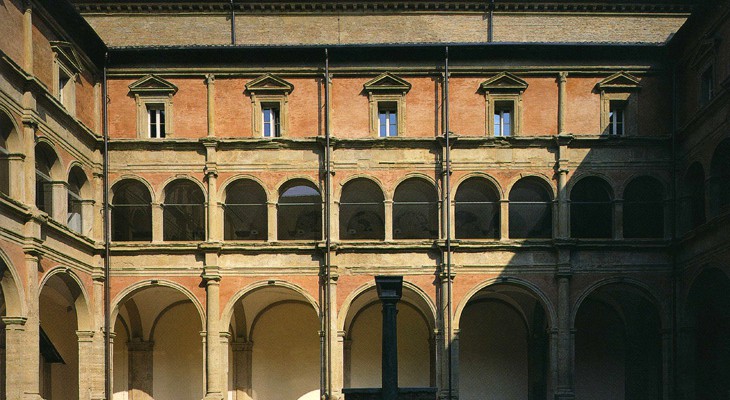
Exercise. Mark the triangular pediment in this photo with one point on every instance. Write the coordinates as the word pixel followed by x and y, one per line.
pixel 620 82
pixel 152 84
pixel 67 55
pixel 505 82
pixel 269 84
pixel 387 82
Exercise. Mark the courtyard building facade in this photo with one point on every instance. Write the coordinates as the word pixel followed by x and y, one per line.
pixel 195 198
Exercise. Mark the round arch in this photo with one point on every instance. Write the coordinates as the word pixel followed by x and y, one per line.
pixel 123 178
pixel 283 183
pixel 413 175
pixel 542 178
pixel 238 177
pixel 343 183
pixel 13 293
pixel 81 302
pixel 167 183
pixel 482 175
pixel 606 181
pixel 643 288
pixel 526 285
pixel 131 290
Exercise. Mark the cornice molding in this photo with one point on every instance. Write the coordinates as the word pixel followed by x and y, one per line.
pixel 93 7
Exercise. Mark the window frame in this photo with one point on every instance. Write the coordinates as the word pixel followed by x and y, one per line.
pixel 160 110
pixel 274 124
pixel 500 106
pixel 388 109
pixel 66 70
pixel 269 91
pixel 620 87
pixel 615 107
pixel 153 91
pixel 387 89
pixel 503 90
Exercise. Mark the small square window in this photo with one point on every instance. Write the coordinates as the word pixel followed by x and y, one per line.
pixel 156 121
pixel 616 117
pixel 706 86
pixel 271 120
pixel 503 112
pixel 387 119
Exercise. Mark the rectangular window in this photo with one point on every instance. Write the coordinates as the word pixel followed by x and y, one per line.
pixel 271 120
pixel 387 119
pixel 503 119
pixel 706 87
pixel 616 117
pixel 156 120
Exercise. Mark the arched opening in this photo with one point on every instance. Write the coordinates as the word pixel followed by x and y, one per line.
pixel 299 211
pixel 709 335
pixel 362 211
pixel 274 348
pixel 77 191
pixel 476 210
pixel 45 161
pixel 618 353
pixel 720 178
pixel 693 197
pixel 503 345
pixel 61 306
pixel 530 210
pixel 131 212
pixel 591 209
pixel 9 307
pixel 158 350
pixel 183 211
pixel 415 210
pixel 363 342
pixel 643 209
pixel 245 211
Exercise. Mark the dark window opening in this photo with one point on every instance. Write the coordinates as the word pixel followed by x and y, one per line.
pixel 183 212
pixel 362 211
pixel 643 209
pixel 415 210
pixel 530 210
pixel 591 209
pixel 131 212
pixel 476 210
pixel 245 211
pixel 299 212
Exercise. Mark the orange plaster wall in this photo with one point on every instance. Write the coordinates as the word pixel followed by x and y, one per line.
pixel 303 108
pixel 232 108
pixel 540 107
pixel 15 255
pixel 583 114
pixel 42 53
pixel 350 112
pixel 423 108
pixel 467 107
pixel 122 109
pixel 190 111
pixel 11 30
pixel 230 285
pixel 346 285
pixel 655 105
pixel 85 107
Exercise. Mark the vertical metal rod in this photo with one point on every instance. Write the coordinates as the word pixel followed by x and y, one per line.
pixel 490 28
pixel 447 177
pixel 327 383
pixel 673 212
pixel 107 252
pixel 233 23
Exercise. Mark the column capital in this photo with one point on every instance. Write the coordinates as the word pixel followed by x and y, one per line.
pixel 85 336
pixel 562 76
pixel 209 79
pixel 16 321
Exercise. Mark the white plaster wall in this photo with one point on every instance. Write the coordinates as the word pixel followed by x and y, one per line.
pixel 59 323
pixel 599 353
pixel 492 353
pixel 286 353
pixel 413 348
pixel 178 355
pixel 120 371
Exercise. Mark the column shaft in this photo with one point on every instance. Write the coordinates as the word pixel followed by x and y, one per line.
pixel 213 365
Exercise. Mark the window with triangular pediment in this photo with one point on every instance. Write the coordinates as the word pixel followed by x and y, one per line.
pixel 387 99
pixel 503 99
pixel 619 104
pixel 153 96
pixel 269 102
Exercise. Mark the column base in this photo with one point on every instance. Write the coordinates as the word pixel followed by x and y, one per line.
pixel 213 396
pixel 564 396
pixel 32 396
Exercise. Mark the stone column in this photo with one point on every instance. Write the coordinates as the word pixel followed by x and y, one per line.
pixel 336 371
pixel 242 365
pixel 562 101
pixel 271 221
pixel 98 206
pixel 157 222
pixel 214 222
pixel 16 183
pixel 140 370
pixel 214 375
pixel 388 205
pixel 565 389
pixel 86 364
pixel 389 292
pixel 59 194
pixel 29 128
pixel 210 85
pixel 87 218
pixel 618 219
pixel 335 221
pixel 445 341
pixel 504 219
pixel 15 355
pixel 346 359
pixel 28 37
pixel 31 343
pixel 562 230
